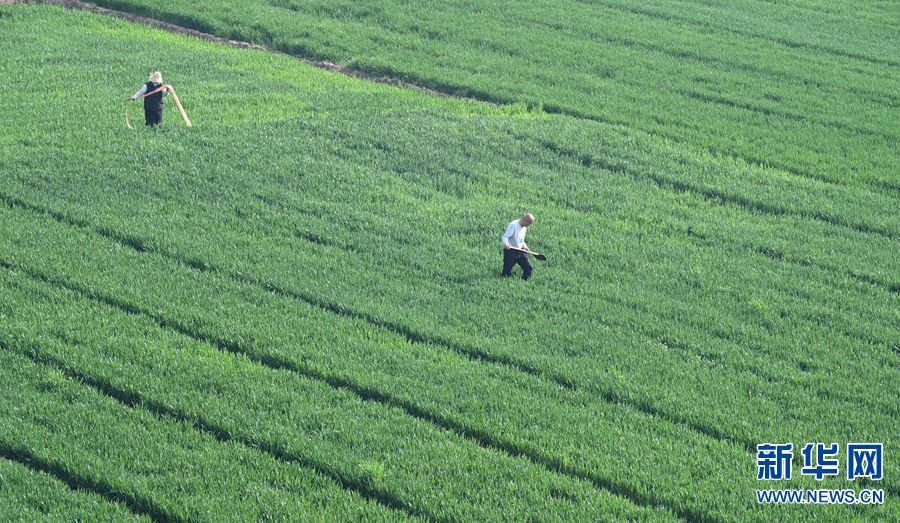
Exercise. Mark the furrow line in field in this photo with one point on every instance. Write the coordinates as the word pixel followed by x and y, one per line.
pixel 552 109
pixel 888 186
pixel 197 29
pixel 871 280
pixel 785 42
pixel 479 355
pixel 700 239
pixel 468 92
pixel 704 241
pixel 767 252
pixel 780 257
pixel 135 504
pixel 653 334
pixel 134 400
pixel 798 363
pixel 715 195
pixel 765 111
pixel 832 276
pixel 411 335
pixel 322 241
pixel 886 99
pixel 435 87
pixel 478 437
pixel 125 240
pixel 893 288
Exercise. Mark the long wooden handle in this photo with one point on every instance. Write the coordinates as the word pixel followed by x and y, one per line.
pixel 187 121
pixel 151 93
pixel 535 254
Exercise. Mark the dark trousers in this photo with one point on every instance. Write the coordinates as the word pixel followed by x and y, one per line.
pixel 512 258
pixel 153 117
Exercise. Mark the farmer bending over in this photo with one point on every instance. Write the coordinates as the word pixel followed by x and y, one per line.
pixel 513 239
pixel 153 93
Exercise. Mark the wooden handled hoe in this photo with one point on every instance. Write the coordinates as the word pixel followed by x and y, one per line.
pixel 537 255
pixel 184 115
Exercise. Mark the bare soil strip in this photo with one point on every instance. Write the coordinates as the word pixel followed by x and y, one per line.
pixel 437 91
pixel 330 66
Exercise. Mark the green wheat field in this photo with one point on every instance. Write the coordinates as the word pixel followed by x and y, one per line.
pixel 292 311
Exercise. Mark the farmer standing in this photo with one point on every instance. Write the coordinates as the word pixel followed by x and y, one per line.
pixel 514 238
pixel 153 93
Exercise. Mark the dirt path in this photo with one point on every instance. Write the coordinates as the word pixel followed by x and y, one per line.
pixel 84 6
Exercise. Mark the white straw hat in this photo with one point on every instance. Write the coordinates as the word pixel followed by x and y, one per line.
pixel 156 77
